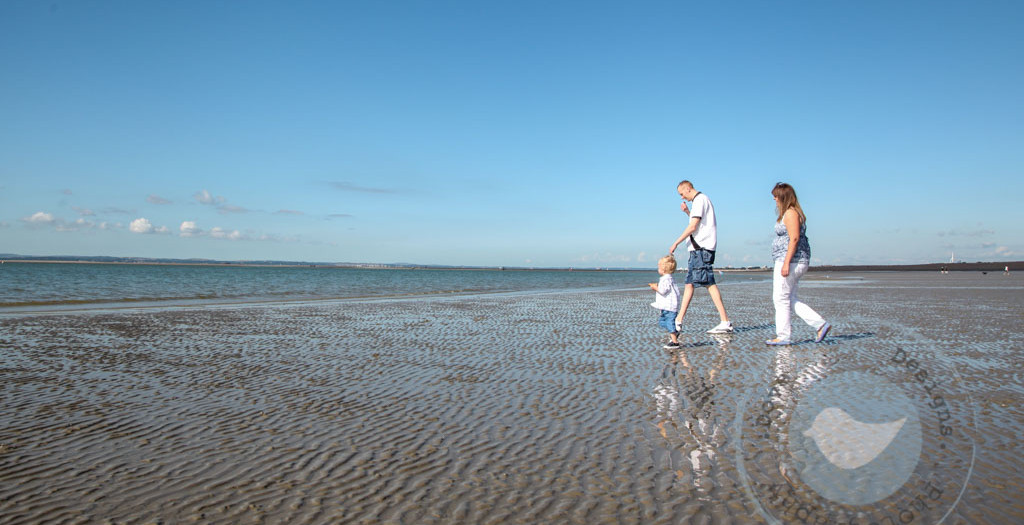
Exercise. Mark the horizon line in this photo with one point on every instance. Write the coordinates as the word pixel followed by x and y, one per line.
pixel 113 259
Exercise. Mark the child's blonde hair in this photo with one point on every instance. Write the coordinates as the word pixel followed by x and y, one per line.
pixel 669 262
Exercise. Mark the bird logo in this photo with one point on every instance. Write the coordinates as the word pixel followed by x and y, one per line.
pixel 850 437
pixel 848 443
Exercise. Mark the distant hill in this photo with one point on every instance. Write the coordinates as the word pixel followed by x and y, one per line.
pixel 933 267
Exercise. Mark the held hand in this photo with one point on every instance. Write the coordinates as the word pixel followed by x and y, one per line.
pixel 785 270
pixel 654 286
pixel 685 209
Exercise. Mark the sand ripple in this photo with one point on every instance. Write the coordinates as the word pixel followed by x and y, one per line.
pixel 499 409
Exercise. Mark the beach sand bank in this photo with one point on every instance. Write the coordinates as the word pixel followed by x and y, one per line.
pixel 528 408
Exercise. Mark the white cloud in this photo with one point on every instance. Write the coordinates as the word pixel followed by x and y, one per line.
pixel 204 197
pixel 275 238
pixel 39 218
pixel 973 233
pixel 140 225
pixel 189 229
pixel 220 233
pixel 110 226
pixel 156 199
pixel 231 208
pixel 84 212
pixel 42 219
pixel 80 224
pixel 289 212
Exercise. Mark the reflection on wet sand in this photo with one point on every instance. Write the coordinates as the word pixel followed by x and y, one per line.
pixel 322 413
pixel 687 417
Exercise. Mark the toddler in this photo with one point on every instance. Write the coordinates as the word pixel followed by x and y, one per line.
pixel 667 299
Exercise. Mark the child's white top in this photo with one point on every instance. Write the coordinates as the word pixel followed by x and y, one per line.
pixel 668 294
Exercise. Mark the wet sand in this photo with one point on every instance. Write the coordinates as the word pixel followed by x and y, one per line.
pixel 528 408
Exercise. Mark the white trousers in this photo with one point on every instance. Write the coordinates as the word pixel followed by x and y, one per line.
pixel 786 302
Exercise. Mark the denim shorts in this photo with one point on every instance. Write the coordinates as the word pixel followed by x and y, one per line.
pixel 667 320
pixel 699 269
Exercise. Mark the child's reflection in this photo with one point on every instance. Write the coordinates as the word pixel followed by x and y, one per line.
pixel 687 418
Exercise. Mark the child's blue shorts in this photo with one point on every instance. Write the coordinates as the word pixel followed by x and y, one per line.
pixel 668 320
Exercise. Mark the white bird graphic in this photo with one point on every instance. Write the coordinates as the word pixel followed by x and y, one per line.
pixel 848 443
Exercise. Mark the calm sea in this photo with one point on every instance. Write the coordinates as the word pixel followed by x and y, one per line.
pixel 70 286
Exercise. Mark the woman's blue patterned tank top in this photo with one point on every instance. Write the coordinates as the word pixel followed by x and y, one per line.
pixel 781 244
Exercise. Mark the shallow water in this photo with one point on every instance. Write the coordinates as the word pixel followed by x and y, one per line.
pixel 69 286
pixel 526 408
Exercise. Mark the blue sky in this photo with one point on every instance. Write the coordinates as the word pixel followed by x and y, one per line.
pixel 509 133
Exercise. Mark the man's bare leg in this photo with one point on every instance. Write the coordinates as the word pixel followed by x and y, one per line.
pixel 716 297
pixel 684 303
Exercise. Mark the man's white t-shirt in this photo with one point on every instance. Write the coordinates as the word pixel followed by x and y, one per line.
pixel 706 234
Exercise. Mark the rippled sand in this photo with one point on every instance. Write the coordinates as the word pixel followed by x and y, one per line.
pixel 542 408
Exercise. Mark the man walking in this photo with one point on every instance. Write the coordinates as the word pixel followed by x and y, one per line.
pixel 701 238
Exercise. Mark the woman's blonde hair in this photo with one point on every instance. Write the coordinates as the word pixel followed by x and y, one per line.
pixel 787 199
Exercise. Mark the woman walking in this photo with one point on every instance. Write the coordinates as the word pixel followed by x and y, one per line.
pixel 792 254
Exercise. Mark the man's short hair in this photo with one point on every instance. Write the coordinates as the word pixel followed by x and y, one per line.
pixel 685 183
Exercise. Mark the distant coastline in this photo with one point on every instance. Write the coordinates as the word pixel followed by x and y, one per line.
pixel 73 259
pixel 930 267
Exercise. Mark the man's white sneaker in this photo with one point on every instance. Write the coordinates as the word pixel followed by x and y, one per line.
pixel 722 328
